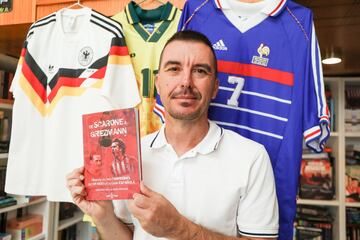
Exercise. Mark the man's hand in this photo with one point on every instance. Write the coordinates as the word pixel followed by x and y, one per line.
pixel 101 212
pixel 160 218
pixel 155 213
pixel 97 210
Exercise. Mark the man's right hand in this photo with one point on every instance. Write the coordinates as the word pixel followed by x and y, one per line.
pixel 97 210
pixel 101 212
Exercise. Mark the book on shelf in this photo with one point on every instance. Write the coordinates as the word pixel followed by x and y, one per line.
pixel 112 156
pixel 67 210
pixel 26 226
pixel 352 183
pixel 331 106
pixel 317 178
pixel 352 108
pixel 5 236
pixel 352 223
pixel 69 233
pixel 313 221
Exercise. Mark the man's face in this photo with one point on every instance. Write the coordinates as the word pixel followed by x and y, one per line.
pixel 116 149
pixel 97 160
pixel 186 80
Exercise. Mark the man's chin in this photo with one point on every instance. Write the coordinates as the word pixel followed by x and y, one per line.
pixel 189 116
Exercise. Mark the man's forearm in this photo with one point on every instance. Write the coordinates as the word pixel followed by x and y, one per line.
pixel 112 228
pixel 193 231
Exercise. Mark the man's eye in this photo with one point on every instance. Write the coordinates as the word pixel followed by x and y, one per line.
pixel 173 69
pixel 200 72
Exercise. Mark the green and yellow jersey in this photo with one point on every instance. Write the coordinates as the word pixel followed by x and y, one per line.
pixel 146 32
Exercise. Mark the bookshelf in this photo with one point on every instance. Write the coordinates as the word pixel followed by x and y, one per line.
pixel 22 205
pixel 37 206
pixel 338 141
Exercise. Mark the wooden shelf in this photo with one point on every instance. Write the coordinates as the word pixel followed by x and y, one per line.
pixel 352 134
pixel 17 206
pixel 38 237
pixel 353 204
pixel 318 202
pixel 6 103
pixel 78 216
pixel 334 134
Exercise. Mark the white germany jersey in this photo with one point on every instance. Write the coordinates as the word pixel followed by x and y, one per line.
pixel 74 62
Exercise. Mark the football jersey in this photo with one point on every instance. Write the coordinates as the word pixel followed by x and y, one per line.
pixel 271 86
pixel 146 32
pixel 74 62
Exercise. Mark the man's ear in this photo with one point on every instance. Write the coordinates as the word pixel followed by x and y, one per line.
pixel 156 83
pixel 216 88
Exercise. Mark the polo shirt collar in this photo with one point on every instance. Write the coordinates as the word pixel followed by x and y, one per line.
pixel 272 8
pixel 208 144
pixel 168 12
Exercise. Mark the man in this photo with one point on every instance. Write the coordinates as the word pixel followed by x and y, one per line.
pixel 122 164
pixel 95 166
pixel 201 182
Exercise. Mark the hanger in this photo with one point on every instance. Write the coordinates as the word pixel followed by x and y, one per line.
pixel 141 2
pixel 76 4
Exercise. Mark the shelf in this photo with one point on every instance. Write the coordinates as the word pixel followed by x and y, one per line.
pixel 352 134
pixel 4 155
pixel 318 202
pixel 38 237
pixel 352 204
pixel 334 134
pixel 78 216
pixel 11 208
pixel 6 104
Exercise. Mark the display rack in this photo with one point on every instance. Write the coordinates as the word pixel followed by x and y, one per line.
pixel 337 142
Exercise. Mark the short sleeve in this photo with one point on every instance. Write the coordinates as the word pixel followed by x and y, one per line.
pixel 184 17
pixel 316 120
pixel 120 86
pixel 258 214
pixel 121 211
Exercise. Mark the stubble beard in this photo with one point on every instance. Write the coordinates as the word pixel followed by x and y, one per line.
pixel 186 116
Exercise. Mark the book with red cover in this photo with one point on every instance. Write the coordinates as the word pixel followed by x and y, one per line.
pixel 112 156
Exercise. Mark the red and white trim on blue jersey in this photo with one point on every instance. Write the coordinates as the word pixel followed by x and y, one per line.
pixel 160 111
pixel 273 7
pixel 315 137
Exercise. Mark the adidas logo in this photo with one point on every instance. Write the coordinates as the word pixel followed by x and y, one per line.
pixel 220 45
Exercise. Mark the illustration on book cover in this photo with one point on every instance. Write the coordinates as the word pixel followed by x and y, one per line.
pixel 112 156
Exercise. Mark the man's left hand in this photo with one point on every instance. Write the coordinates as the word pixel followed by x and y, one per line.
pixel 155 213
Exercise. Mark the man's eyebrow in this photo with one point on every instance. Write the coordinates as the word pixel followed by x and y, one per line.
pixel 171 63
pixel 204 65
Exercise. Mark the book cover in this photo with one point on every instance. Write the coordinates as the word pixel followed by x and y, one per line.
pixel 352 183
pixel 316 179
pixel 112 156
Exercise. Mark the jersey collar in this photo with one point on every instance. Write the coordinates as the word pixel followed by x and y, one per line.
pixel 272 8
pixel 168 12
pixel 207 145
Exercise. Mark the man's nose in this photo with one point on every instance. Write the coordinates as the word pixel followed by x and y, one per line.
pixel 187 80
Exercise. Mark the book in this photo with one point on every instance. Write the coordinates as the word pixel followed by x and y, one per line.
pixel 352 186
pixel 112 155
pixel 316 179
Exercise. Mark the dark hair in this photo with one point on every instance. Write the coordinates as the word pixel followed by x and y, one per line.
pixel 120 143
pixel 191 36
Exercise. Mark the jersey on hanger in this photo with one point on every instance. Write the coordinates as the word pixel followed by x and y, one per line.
pixel 73 62
pixel 271 85
pixel 145 40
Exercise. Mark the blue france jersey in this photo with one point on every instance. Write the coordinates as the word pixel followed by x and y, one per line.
pixel 271 85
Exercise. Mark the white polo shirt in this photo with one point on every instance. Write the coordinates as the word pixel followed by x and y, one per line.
pixel 225 183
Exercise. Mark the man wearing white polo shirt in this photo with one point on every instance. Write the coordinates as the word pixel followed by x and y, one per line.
pixel 201 182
